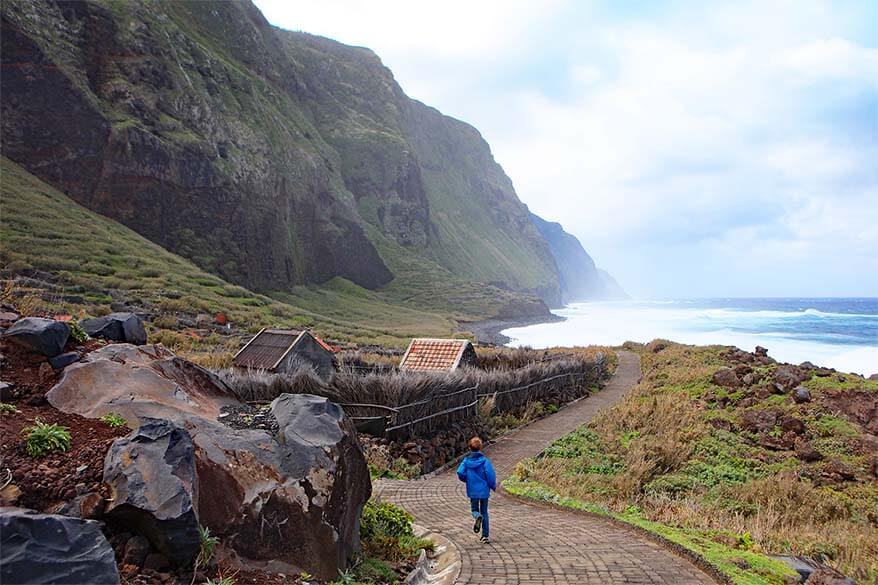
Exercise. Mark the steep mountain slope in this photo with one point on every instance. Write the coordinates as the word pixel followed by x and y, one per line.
pixel 78 262
pixel 580 278
pixel 270 158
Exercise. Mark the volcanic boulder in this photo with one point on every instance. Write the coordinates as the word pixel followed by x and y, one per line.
pixel 43 336
pixel 151 474
pixel 296 497
pixel 726 377
pixel 137 383
pixel 121 327
pixel 45 549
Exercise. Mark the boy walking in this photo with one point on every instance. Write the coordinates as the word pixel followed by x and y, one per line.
pixel 478 473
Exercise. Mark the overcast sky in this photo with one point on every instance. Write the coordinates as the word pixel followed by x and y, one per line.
pixel 695 148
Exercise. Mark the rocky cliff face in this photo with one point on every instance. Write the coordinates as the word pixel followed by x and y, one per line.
pixel 580 279
pixel 268 157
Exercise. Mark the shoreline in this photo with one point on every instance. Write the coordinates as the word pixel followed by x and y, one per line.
pixel 488 331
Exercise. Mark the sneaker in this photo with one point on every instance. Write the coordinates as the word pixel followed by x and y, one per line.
pixel 485 540
pixel 477 525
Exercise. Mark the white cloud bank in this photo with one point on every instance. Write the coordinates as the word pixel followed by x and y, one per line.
pixel 697 149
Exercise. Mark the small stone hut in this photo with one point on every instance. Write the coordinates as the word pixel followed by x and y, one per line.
pixel 438 355
pixel 284 351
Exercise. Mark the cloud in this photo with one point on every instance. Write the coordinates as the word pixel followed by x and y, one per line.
pixel 699 149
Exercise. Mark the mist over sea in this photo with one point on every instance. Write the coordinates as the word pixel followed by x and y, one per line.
pixel 832 332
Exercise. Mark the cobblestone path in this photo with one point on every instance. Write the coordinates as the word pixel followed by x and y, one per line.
pixel 534 544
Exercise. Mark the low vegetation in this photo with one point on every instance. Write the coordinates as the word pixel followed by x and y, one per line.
pixel 112 419
pixel 732 473
pixel 388 540
pixel 42 438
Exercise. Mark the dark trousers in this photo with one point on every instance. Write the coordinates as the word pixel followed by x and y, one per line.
pixel 480 508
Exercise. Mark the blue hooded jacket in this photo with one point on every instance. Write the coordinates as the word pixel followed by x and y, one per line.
pixel 478 473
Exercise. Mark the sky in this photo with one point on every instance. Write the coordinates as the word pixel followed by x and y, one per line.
pixel 696 149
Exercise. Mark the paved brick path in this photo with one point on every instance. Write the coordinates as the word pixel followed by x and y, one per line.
pixel 533 544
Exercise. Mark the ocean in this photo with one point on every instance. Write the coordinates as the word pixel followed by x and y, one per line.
pixel 840 333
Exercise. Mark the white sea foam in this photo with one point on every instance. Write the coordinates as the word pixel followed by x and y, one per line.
pixel 613 323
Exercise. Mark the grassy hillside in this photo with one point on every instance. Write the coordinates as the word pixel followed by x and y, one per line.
pixel 91 261
pixel 732 473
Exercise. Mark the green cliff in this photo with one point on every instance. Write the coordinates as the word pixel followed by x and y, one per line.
pixel 270 158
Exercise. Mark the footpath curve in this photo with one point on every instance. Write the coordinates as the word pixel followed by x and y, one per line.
pixel 534 544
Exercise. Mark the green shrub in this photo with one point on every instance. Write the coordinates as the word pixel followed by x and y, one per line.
pixel 43 438
pixel 6 408
pixel 77 332
pixel 208 545
pixel 114 420
pixel 386 519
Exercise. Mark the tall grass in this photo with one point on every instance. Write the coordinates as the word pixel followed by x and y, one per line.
pixel 418 395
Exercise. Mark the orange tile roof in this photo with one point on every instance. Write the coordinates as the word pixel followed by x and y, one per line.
pixel 433 355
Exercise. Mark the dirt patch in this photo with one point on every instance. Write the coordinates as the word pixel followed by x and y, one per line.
pixel 29 373
pixel 858 406
pixel 245 416
pixel 47 482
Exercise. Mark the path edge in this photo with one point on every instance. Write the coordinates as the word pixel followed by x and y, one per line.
pixel 681 551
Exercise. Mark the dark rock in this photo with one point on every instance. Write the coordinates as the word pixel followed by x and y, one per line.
pixel 43 336
pixel 792 424
pixel 803 566
pixel 136 550
pixel 873 377
pixel 6 391
pixel 839 471
pixel 825 575
pixel 789 377
pixel 759 421
pixel 807 366
pixel 801 395
pixel 44 549
pixel 151 474
pixel 59 362
pixel 841 378
pixel 742 370
pixel 154 562
pixel 773 443
pixel 806 452
pixel 122 327
pixel 89 505
pixel 36 399
pixel 726 377
pixel 764 391
pixel 824 372
pixel 760 351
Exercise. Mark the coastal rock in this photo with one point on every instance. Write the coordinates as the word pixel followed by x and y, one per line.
pixel 806 452
pixel 121 327
pixel 47 549
pixel 43 336
pixel 726 377
pixel 759 421
pixel 151 475
pixel 837 471
pixel 760 351
pixel 801 395
pixel 788 377
pixel 792 424
pixel 873 377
